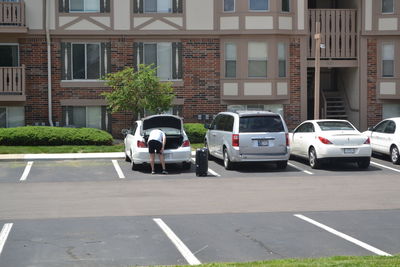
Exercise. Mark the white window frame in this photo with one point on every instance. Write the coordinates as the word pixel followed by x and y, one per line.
pixel 394 59
pixel 11 44
pixel 67 122
pixel 290 7
pixel 156 43
pixel 394 7
pixel 83 11
pixel 72 61
pixel 258 59
pixel 225 59
pixel 7 114
pixel 158 12
pixel 267 10
pixel 234 7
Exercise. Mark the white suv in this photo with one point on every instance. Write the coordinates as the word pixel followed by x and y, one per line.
pixel 248 136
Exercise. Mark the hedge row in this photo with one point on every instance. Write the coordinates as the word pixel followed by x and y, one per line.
pixel 195 132
pixel 53 136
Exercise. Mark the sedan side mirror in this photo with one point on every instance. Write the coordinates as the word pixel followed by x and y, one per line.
pixel 125 132
pixel 207 126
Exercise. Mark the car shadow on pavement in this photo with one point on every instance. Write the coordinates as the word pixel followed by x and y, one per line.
pixel 256 167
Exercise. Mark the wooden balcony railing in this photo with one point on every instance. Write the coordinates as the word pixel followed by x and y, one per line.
pixel 12 82
pixel 12 14
pixel 338 33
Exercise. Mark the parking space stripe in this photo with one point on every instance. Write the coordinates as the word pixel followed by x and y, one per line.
pixel 26 171
pixel 209 170
pixel 386 167
pixel 300 169
pixel 4 234
pixel 183 249
pixel 118 169
pixel 344 236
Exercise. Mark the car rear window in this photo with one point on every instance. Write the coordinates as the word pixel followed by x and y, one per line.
pixel 335 126
pixel 261 124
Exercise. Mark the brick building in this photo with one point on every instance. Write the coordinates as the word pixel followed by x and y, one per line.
pixel 219 55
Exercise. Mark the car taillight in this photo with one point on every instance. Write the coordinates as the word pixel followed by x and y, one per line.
pixel 287 139
pixel 186 143
pixel 235 140
pixel 324 140
pixel 368 141
pixel 141 144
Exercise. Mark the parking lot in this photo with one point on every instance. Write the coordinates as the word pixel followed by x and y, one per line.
pixel 101 213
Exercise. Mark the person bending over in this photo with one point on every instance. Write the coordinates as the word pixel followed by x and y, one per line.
pixel 156 144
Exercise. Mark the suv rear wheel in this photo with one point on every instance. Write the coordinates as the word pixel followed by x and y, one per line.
pixel 228 164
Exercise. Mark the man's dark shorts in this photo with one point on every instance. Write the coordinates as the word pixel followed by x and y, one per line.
pixel 155 147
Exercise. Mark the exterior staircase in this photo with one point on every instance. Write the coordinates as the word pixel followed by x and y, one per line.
pixel 335 106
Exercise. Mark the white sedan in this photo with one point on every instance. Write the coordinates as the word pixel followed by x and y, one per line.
pixel 177 148
pixel 320 140
pixel 385 138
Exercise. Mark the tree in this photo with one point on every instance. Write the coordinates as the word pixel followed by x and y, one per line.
pixel 138 90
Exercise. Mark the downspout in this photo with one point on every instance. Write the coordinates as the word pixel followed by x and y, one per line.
pixel 49 96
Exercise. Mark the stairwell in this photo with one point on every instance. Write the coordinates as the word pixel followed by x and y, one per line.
pixel 335 106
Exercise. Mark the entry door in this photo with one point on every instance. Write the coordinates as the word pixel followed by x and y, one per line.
pixel 9 56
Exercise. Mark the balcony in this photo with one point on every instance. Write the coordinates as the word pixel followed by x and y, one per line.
pixel 12 84
pixel 12 17
pixel 338 33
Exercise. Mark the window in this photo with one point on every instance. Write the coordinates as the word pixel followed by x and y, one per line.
pixel 258 5
pixel 158 6
pixel 84 5
pixel 229 5
pixel 166 56
pixel 271 124
pixel 387 6
pixel 380 128
pixel 90 117
pixel 390 128
pixel 85 61
pixel 12 117
pixel 257 59
pixel 391 110
pixel 9 55
pixel 285 5
pixel 387 60
pixel 276 108
pixel 335 126
pixel 230 60
pixel 282 59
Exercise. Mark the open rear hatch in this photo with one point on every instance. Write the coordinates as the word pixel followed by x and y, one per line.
pixel 170 125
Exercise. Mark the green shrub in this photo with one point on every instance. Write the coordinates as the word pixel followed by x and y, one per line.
pixel 195 132
pixel 53 136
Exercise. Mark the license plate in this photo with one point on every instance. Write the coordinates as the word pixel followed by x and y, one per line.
pixel 349 150
pixel 263 143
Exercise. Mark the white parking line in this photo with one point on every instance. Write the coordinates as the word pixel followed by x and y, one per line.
pixel 386 167
pixel 4 234
pixel 300 169
pixel 344 236
pixel 118 169
pixel 209 170
pixel 183 249
pixel 26 171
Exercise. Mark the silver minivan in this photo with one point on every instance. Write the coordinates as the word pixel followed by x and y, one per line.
pixel 248 136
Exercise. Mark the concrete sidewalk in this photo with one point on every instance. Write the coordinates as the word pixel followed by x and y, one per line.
pixel 61 156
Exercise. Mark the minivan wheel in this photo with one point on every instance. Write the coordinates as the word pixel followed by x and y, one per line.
pixel 363 163
pixel 227 162
pixel 281 164
pixel 312 158
pixel 394 155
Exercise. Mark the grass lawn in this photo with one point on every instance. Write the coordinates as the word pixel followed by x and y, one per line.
pixel 342 261
pixel 66 149
pixel 59 149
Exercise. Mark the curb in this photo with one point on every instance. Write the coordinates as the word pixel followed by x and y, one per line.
pixel 61 156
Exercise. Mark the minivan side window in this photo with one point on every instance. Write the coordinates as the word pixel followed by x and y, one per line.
pixel 214 123
pixel 221 123
pixel 229 124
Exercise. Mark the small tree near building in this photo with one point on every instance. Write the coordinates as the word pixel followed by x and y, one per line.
pixel 136 91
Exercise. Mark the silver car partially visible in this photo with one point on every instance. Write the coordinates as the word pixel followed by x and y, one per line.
pixel 248 136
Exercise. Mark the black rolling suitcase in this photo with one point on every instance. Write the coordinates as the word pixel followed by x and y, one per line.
pixel 201 161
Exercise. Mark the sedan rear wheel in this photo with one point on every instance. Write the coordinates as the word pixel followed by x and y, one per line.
pixel 312 158
pixel 394 155
pixel 363 163
pixel 227 162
